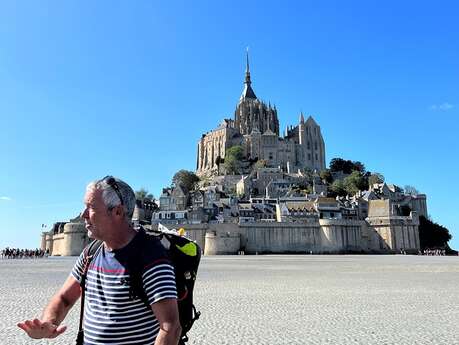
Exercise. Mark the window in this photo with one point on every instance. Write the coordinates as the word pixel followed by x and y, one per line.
pixel 309 156
pixel 315 145
pixel 317 157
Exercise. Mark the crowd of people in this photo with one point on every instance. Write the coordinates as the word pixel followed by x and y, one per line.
pixel 17 253
pixel 434 252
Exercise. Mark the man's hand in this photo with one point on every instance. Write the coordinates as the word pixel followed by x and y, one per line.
pixel 37 329
pixel 54 313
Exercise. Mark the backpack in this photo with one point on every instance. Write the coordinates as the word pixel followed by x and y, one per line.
pixel 184 255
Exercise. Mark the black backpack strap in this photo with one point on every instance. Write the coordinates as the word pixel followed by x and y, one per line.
pixel 195 316
pixel 88 255
pixel 135 266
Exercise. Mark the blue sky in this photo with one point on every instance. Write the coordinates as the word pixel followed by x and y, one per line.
pixel 91 88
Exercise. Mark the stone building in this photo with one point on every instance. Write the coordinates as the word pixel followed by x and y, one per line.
pixel 65 238
pixel 264 210
pixel 256 128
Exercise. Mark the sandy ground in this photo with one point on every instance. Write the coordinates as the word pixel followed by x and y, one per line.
pixel 280 299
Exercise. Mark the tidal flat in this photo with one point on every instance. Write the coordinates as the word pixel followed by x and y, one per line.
pixel 279 299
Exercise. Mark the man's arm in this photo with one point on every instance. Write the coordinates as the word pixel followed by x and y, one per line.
pixel 166 312
pixel 54 313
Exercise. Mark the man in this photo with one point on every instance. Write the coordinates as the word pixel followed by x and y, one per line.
pixel 112 315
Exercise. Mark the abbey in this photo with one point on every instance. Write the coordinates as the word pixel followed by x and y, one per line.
pixel 282 205
pixel 256 128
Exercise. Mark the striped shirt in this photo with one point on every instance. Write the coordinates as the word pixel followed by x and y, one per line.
pixel 111 316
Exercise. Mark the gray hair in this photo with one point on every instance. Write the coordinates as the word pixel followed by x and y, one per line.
pixel 111 198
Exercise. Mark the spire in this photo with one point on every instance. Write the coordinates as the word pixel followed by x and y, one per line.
pixel 248 92
pixel 247 67
pixel 301 117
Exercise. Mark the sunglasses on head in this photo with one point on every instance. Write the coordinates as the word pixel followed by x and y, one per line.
pixel 110 180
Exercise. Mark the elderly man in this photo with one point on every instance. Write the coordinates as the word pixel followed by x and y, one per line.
pixel 112 315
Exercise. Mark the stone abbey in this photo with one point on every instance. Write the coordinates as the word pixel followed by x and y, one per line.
pixel 256 128
pixel 279 206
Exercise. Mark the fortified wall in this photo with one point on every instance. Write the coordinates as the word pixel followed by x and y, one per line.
pixel 65 239
pixel 383 231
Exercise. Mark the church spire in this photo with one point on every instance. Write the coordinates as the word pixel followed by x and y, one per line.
pixel 301 117
pixel 247 68
pixel 248 91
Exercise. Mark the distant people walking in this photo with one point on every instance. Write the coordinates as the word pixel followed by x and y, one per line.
pixel 16 253
pixel 434 252
pixel 113 313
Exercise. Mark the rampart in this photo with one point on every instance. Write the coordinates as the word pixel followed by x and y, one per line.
pixel 382 232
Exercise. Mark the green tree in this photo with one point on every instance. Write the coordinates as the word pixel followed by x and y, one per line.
pixel 375 178
pixel 326 176
pixel 359 167
pixel 261 163
pixel 432 235
pixel 346 166
pixel 233 159
pixel 338 188
pixel 143 194
pixel 185 179
pixel 354 182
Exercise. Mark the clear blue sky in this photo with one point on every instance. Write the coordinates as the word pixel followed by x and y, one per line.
pixel 90 88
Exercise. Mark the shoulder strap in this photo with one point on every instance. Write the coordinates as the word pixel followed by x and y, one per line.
pixel 135 268
pixel 88 254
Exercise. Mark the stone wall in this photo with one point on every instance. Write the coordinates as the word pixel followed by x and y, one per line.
pixel 58 244
pixel 70 242
pixel 49 242
pixel 338 235
pixel 396 233
pixel 382 234
pixel 281 237
pixel 218 243
pixel 390 232
pixel 75 239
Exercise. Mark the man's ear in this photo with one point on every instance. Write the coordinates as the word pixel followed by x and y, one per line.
pixel 119 210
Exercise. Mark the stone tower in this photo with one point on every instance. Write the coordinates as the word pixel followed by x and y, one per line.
pixel 252 114
pixel 312 145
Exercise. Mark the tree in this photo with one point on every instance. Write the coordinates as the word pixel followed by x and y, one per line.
pixel 261 163
pixel 346 166
pixel 337 164
pixel 432 235
pixel 375 178
pixel 233 159
pixel 354 182
pixel 185 179
pixel 337 188
pixel 359 167
pixel 326 176
pixel 411 190
pixel 301 189
pixel 143 194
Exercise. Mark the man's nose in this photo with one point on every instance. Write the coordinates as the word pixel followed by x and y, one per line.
pixel 83 214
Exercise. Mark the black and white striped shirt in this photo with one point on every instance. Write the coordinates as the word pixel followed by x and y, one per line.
pixel 110 315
